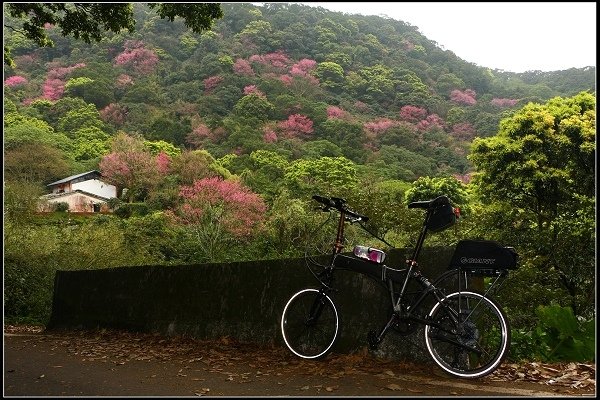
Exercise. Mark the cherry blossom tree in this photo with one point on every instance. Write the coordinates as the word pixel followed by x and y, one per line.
pixel 297 125
pixel 211 83
pixel 131 166
pixel 242 67
pixel 224 203
pixel 198 136
pixel 140 59
pixel 463 130
pixel 504 102
pixel 14 81
pixel 412 113
pixel 466 97
pixel 114 114
pixel 336 112
pixel 432 121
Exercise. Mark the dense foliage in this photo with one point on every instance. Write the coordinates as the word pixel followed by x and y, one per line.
pixel 217 140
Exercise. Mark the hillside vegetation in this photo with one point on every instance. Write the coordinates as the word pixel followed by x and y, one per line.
pixel 221 138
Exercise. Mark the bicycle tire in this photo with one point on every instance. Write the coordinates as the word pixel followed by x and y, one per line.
pixel 484 327
pixel 310 324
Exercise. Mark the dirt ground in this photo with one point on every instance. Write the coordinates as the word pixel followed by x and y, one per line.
pixel 113 363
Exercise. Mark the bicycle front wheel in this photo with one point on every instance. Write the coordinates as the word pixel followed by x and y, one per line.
pixel 468 335
pixel 310 324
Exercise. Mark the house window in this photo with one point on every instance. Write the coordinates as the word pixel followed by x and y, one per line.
pixel 96 207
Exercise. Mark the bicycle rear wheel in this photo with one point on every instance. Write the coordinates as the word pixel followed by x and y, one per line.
pixel 468 335
pixel 310 324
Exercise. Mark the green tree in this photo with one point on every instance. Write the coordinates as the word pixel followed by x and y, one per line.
pixel 91 21
pixel 35 162
pixel 325 175
pixel 538 172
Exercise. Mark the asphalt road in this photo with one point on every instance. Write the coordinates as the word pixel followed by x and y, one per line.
pixel 83 365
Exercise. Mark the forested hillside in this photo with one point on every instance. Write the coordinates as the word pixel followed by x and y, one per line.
pixel 301 81
pixel 221 138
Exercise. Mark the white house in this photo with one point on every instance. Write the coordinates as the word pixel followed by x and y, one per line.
pixel 84 192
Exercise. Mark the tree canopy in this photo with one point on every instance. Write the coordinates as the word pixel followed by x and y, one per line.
pixel 90 21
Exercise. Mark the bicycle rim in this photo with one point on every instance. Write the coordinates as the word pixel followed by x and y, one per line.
pixel 310 324
pixel 474 347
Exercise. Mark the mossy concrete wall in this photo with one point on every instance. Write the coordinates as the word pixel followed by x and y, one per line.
pixel 241 300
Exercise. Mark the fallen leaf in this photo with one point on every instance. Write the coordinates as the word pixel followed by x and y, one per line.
pixel 393 386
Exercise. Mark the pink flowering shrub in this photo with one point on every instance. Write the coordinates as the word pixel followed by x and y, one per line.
pixel 198 135
pixel 412 113
pixel 335 112
pixel 303 67
pixel 297 125
pixel 466 97
pixel 463 130
pixel 286 79
pixel 253 89
pixel 136 56
pixel 375 128
pixel 114 114
pixel 432 121
pixel 62 72
pixel 504 102
pixel 221 202
pixel 53 89
pixel 211 83
pixel 163 163
pixel 243 67
pixel 269 135
pixel 14 81
pixel 277 60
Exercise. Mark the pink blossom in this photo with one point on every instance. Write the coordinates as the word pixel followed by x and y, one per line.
pixel 296 125
pixel 15 80
pixel 466 178
pixel 378 127
pixel 463 130
pixel 242 211
pixel 53 89
pixel 253 89
pixel 412 113
pixel 432 121
pixel 286 79
pixel 211 83
pixel 303 67
pixel 163 163
pixel 142 60
pixel 62 72
pixel 114 114
pixel 504 102
pixel 466 97
pixel 269 135
pixel 243 67
pixel 197 136
pixel 335 112
pixel 277 60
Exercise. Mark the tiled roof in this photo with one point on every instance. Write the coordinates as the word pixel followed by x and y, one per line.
pixel 73 177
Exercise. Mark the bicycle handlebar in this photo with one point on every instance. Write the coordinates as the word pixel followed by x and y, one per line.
pixel 340 205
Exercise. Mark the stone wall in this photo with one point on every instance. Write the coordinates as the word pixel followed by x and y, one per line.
pixel 241 300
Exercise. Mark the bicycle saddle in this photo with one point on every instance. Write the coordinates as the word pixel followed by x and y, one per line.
pixel 425 205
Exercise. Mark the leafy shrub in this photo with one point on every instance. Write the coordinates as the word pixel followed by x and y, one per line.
pixel 61 206
pixel 559 336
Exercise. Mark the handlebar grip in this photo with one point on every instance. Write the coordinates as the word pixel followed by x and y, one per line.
pixel 324 200
pixel 357 215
